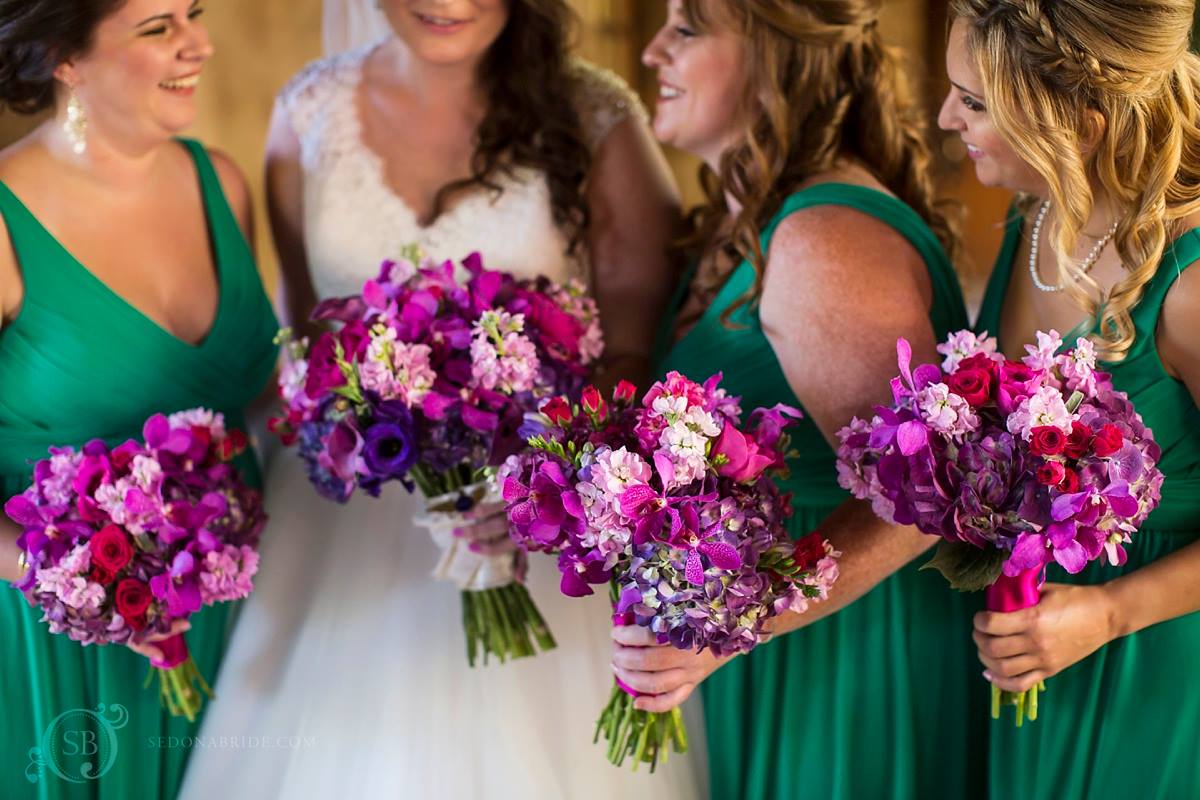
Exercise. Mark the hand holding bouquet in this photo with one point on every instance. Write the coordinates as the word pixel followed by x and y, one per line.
pixel 1014 464
pixel 125 543
pixel 427 382
pixel 670 502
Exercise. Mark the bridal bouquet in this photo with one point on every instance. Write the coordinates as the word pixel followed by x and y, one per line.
pixel 670 502
pixel 427 382
pixel 123 542
pixel 1014 464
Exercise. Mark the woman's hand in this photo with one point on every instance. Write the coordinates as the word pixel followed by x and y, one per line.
pixel 146 646
pixel 487 530
pixel 666 674
pixel 1021 648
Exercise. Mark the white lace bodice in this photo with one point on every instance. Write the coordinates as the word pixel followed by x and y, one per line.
pixel 353 220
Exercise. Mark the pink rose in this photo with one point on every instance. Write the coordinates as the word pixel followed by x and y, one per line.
pixel 1051 473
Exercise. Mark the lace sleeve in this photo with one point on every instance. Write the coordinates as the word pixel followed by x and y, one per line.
pixel 604 100
pixel 316 100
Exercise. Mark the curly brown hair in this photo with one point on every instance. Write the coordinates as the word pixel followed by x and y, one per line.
pixel 532 119
pixel 821 87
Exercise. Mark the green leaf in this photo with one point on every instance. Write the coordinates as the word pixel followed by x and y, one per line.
pixel 966 567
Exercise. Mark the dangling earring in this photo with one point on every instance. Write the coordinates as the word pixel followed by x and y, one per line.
pixel 76 125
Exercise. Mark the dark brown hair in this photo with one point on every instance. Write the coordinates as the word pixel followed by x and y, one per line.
pixel 35 37
pixel 532 119
pixel 821 86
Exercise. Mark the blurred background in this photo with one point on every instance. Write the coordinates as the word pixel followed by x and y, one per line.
pixel 261 43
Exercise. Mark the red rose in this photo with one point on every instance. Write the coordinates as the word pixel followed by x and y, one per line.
pixel 101 575
pixel 808 551
pixel 232 445
pixel 111 549
pixel 133 598
pixel 1108 441
pixel 1070 482
pixel 558 410
pixel 137 622
pixel 1046 440
pixel 1079 442
pixel 981 361
pixel 1051 473
pixel 625 392
pixel 972 385
pixel 593 403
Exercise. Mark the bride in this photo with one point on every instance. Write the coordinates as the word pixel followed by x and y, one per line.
pixel 459 125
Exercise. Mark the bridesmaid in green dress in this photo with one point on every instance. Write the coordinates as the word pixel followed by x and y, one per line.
pixel 820 245
pixel 127 287
pixel 1102 242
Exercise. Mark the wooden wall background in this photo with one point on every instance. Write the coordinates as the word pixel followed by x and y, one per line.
pixel 260 43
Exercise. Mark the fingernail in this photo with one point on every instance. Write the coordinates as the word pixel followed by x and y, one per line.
pixel 474 547
pixel 458 532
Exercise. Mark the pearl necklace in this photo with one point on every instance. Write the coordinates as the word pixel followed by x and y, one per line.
pixel 1088 262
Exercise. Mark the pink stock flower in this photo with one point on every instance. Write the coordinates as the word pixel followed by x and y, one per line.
pixel 1045 407
pixel 946 412
pixel 1043 355
pixel 963 344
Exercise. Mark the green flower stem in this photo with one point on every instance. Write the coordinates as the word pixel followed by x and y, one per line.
pixel 1025 703
pixel 503 623
pixel 181 689
pixel 649 738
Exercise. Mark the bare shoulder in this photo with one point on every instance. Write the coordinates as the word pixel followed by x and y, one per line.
pixel 840 244
pixel 17 163
pixel 1178 335
pixel 234 185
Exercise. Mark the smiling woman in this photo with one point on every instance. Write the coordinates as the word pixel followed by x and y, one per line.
pixel 125 264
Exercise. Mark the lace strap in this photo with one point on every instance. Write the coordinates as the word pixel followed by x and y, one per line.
pixel 603 101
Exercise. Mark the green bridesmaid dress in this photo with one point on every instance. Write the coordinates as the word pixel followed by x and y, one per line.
pixel 1125 721
pixel 883 699
pixel 79 363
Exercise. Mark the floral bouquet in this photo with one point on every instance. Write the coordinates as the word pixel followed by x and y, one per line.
pixel 427 382
pixel 1014 464
pixel 123 542
pixel 671 504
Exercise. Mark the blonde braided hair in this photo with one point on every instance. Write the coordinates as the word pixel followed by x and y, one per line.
pixel 1045 64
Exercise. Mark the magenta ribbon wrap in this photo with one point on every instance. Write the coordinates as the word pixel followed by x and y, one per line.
pixel 620 621
pixel 1021 591
pixel 174 650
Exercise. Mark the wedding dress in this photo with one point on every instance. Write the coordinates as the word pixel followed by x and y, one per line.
pixel 347 673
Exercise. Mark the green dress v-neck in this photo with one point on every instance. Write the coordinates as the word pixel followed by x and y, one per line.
pixel 883 699
pixel 1125 721
pixel 80 363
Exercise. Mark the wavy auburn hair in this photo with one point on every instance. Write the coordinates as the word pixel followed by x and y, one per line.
pixel 821 86
pixel 532 118
pixel 1047 67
